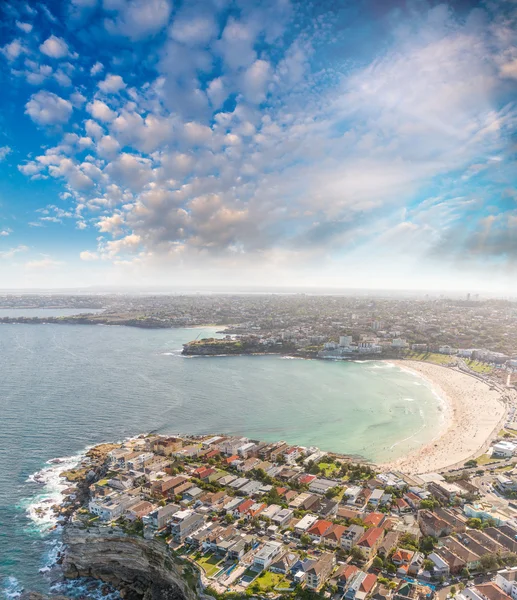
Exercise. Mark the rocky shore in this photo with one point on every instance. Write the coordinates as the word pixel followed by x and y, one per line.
pixel 140 569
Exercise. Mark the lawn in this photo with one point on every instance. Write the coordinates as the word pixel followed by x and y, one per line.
pixel 268 581
pixel 484 459
pixel 328 468
pixel 210 563
pixel 432 357
pixel 479 367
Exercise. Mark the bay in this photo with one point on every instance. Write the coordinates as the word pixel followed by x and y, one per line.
pixel 65 387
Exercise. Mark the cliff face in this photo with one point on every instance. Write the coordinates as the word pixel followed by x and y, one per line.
pixel 140 569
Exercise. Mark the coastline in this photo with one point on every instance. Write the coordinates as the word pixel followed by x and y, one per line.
pixel 474 413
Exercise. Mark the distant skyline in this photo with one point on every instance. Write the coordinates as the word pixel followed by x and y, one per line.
pixel 276 144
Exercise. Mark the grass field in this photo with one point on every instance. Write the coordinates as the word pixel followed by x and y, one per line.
pixel 484 459
pixel 267 581
pixel 432 357
pixel 328 468
pixel 479 367
pixel 210 563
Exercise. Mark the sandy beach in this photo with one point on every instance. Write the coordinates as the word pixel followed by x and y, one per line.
pixel 474 414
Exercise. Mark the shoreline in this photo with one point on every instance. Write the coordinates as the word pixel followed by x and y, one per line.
pixel 474 413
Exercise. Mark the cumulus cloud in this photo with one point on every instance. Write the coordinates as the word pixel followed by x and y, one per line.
pixel 13 50
pixel 137 19
pixel 25 27
pixel 4 151
pixel 46 108
pixel 112 84
pixel 42 264
pixel 7 254
pixel 54 47
pixel 101 111
pixel 96 68
pixel 87 256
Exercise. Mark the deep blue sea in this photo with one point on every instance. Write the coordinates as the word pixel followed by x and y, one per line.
pixel 66 387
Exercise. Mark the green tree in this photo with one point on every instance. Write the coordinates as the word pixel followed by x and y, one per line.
pixel 305 539
pixel 475 523
pixel 488 562
pixel 357 554
pixel 453 590
pixel 377 563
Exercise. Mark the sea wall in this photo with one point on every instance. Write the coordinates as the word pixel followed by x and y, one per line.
pixel 140 569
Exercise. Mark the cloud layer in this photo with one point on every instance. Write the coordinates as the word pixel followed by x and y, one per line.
pixel 234 138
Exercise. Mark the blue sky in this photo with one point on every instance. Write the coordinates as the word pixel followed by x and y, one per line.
pixel 347 144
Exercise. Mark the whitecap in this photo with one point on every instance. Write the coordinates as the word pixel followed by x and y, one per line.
pixel 39 507
pixel 11 588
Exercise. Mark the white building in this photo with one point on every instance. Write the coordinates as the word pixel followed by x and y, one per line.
pixel 503 449
pixel 345 341
pixel 399 343
pixel 506 580
pixel 266 555
pixel 304 524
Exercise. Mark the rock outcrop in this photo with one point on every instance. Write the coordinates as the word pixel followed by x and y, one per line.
pixel 141 569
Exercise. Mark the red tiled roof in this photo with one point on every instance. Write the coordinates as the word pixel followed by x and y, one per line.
pixel 368 582
pixel 319 528
pixel 347 572
pixel 370 537
pixel 335 532
pixel 306 478
pixel 374 519
pixel 242 508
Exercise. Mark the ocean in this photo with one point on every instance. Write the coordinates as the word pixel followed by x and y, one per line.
pixel 66 387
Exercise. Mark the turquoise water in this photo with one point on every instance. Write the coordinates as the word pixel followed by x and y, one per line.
pixel 64 387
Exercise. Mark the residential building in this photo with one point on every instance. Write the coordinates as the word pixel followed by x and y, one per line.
pixel 265 555
pixel 320 571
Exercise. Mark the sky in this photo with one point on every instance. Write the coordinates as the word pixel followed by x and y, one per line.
pixel 351 144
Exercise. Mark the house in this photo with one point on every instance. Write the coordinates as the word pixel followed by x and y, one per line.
pixel 265 555
pixel 304 524
pixel 455 563
pixel 320 571
pixel 402 557
pixel 467 555
pixel 328 508
pixel 242 509
pixel 491 591
pixel 183 523
pixel 332 537
pixel 431 524
pixel 299 500
pixel 318 529
pixel 192 494
pixel 374 519
pixel 506 579
pixel 441 568
pixel 388 543
pixel 283 563
pixel 344 576
pixel 351 536
pixel 352 494
pixel 283 517
pixel 321 486
pixel 271 511
pixel 160 517
pixel 457 522
pixel 370 541
pixel 139 510
pixel 360 586
pixel 376 496
pixel 401 505
pixel 112 507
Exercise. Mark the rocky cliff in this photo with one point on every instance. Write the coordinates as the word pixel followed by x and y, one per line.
pixel 140 569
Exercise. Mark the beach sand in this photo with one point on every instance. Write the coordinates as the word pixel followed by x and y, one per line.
pixel 474 415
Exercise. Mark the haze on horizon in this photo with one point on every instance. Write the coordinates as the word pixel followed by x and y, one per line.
pixel 270 144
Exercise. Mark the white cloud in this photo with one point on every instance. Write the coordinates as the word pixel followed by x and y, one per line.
pixel 62 78
pixel 42 264
pixel 93 129
pixel 88 256
pixel 5 232
pixel 26 27
pixel 255 80
pixel 138 19
pixel 4 151
pixel 46 108
pixel 6 254
pixel 101 111
pixel 13 50
pixel 107 147
pixel 96 69
pixel 77 99
pixel 54 47
pixel 192 29
pixel 112 84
